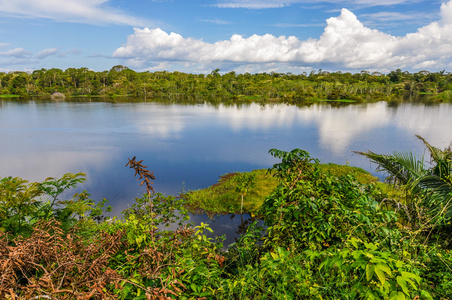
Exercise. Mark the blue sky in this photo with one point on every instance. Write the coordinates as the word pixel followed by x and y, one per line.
pixel 244 36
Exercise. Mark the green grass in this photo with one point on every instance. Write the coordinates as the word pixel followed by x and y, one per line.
pixel 9 96
pixel 87 96
pixel 361 175
pixel 250 97
pixel 340 100
pixel 221 198
pixel 102 96
pixel 315 99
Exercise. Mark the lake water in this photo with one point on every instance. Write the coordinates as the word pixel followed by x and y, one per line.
pixel 189 146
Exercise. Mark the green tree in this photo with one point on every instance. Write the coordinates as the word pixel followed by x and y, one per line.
pixel 18 85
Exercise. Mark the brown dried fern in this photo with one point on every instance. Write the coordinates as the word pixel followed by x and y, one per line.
pixel 53 264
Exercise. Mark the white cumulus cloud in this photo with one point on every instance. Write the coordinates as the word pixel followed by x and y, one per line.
pixel 345 44
pixel 263 4
pixel 79 11
pixel 16 52
pixel 252 4
pixel 47 52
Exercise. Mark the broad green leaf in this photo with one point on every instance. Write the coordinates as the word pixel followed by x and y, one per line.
pixel 412 283
pixel 397 296
pixel 407 275
pixel 393 295
pixel 381 275
pixel 384 268
pixel 402 284
pixel 400 296
pixel 369 271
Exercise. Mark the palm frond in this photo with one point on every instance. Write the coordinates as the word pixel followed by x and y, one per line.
pixel 431 185
pixel 442 159
pixel 403 167
pixel 435 184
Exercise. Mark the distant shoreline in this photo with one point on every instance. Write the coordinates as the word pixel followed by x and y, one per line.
pixel 121 81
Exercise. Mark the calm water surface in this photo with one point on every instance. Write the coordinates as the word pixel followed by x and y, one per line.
pixel 189 146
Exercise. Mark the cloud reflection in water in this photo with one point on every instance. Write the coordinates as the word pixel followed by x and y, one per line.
pixel 189 146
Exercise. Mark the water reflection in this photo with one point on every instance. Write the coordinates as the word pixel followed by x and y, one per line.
pixel 231 226
pixel 190 146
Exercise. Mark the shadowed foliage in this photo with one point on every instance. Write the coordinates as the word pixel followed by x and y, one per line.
pixel 428 184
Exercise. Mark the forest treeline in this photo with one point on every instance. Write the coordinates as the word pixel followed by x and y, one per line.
pixel 284 87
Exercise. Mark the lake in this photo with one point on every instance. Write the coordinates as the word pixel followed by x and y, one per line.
pixel 188 146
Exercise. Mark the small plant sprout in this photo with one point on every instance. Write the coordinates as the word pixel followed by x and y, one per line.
pixel 244 183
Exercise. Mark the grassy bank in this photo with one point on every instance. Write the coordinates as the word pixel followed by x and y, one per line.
pixel 223 197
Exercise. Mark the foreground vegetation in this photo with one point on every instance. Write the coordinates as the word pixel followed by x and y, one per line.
pixel 316 86
pixel 327 236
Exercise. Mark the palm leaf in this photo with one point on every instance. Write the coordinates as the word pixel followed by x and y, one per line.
pixel 403 167
pixel 433 184
pixel 442 159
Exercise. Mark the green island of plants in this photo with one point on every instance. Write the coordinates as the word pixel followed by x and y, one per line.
pixel 329 234
pixel 224 196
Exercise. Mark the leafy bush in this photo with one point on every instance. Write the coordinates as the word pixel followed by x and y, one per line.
pixel 327 237
pixel 24 204
pixel 313 209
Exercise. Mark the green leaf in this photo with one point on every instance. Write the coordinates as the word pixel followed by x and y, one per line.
pixel 402 284
pixel 397 296
pixel 426 295
pixel 381 275
pixel 400 296
pixel 370 246
pixel 274 255
pixel 412 283
pixel 369 271
pixel 384 268
pixel 407 275
pixel 393 295
pixel 370 295
pixel 194 287
pixel 134 280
